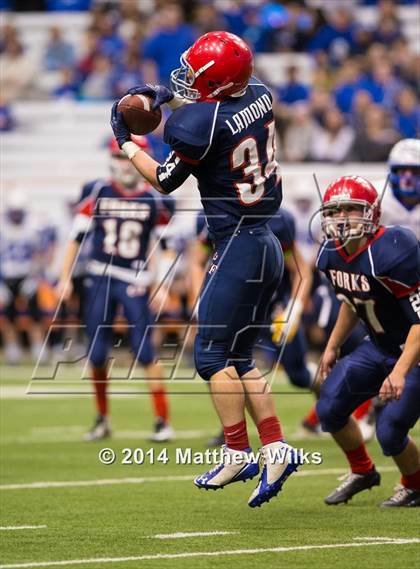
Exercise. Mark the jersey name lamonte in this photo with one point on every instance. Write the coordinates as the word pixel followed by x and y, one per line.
pixel 229 147
pixel 381 282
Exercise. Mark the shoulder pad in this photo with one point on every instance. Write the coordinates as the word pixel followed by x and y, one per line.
pixel 395 244
pixel 86 191
pixel 255 82
pixel 189 130
pixel 395 260
pixel 86 202
pixel 92 188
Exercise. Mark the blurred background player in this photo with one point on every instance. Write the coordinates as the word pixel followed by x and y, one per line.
pixel 401 205
pixel 20 273
pixel 375 271
pixel 121 214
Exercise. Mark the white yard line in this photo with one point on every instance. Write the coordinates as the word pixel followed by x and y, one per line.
pixel 75 436
pixel 158 556
pixel 180 535
pixel 143 479
pixel 100 482
pixel 11 528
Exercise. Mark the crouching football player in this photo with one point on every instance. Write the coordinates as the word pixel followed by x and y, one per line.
pixel 375 272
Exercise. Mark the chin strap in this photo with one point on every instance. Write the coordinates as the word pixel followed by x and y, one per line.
pixel 178 102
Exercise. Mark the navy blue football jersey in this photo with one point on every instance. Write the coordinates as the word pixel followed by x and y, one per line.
pixel 381 282
pixel 120 221
pixel 229 146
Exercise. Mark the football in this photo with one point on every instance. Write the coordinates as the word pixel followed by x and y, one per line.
pixel 138 114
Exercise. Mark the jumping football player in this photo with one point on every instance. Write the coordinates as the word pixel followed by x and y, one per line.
pixel 121 214
pixel 226 140
pixel 375 272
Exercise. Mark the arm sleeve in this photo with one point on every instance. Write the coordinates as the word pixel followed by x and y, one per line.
pixel 400 270
pixel 411 306
pixel 172 173
pixel 85 207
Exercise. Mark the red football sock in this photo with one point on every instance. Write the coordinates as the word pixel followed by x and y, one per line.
pixel 99 377
pixel 362 410
pixel 236 436
pixel 270 431
pixel 411 481
pixel 312 417
pixel 360 461
pixel 160 404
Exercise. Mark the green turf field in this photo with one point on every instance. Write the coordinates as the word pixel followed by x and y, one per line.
pixel 87 514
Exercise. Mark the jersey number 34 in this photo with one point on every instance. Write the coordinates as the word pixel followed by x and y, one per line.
pixel 245 156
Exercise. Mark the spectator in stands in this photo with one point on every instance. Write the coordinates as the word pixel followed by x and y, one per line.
pixel 17 69
pixel 293 90
pixel 347 85
pixel 254 34
pixel 68 87
pixel 288 27
pixel 408 114
pixel 89 52
pixel 132 22
pixel 375 138
pixel 406 63
pixel 110 44
pixel 98 84
pixel 162 50
pixel 336 37
pixel 320 101
pixel 388 28
pixel 387 9
pixel 382 83
pixel 361 104
pixel 58 52
pixel 298 138
pixel 363 38
pixel 387 31
pixel 332 142
pixel 207 18
pixel 7 32
pixel 235 13
pixel 128 73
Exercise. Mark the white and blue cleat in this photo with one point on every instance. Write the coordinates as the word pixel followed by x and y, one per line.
pixel 280 461
pixel 236 466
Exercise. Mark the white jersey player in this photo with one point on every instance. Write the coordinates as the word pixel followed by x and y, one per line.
pixel 20 254
pixel 401 199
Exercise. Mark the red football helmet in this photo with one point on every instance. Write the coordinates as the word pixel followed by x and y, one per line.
pixel 140 140
pixel 122 170
pixel 350 191
pixel 217 66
